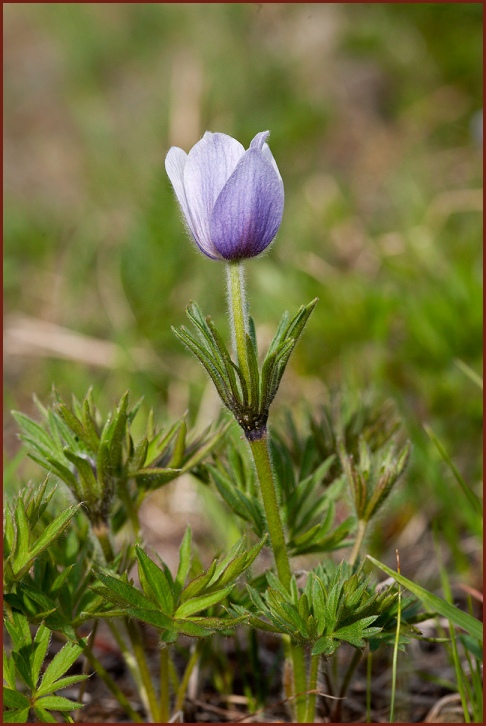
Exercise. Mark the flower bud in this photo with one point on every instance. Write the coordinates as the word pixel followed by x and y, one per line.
pixel 232 200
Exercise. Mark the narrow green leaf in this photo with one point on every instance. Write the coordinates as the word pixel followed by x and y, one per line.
pixel 58 703
pixel 14 699
pixel 34 432
pixel 54 530
pixel 66 682
pixel 230 367
pixel 463 620
pixel 355 632
pixel 16 716
pixel 85 469
pixel 197 604
pixel 470 495
pixel 199 583
pixel 40 646
pixel 179 447
pixel 279 335
pixel 21 554
pixel 187 627
pixel 153 617
pixel 74 424
pixel 254 382
pixel 154 477
pixel 9 670
pixel 324 646
pixel 58 666
pixel 156 580
pixel 43 716
pixel 124 592
pixel 208 363
pixel 184 562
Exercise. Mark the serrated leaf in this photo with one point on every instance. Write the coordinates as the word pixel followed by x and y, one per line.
pixel 85 469
pixel 124 592
pixel 74 424
pixel 33 432
pixel 199 583
pixel 9 670
pixel 184 562
pixel 202 602
pixel 153 617
pixel 40 646
pixel 157 582
pixel 355 632
pixel 58 703
pixel 21 553
pixel 187 627
pixel 324 646
pixel 68 681
pixel 239 564
pixel 154 477
pixel 61 662
pixel 54 530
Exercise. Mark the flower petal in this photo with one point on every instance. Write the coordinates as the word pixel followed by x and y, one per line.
pixel 175 163
pixel 249 209
pixel 209 165
pixel 259 142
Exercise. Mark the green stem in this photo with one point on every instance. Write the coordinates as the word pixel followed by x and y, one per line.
pixel 111 685
pixel 395 658
pixel 147 687
pixel 345 684
pixel 182 690
pixel 164 709
pixel 362 524
pixel 312 697
pixel 102 532
pixel 263 465
pixel 130 506
pixel 238 313
pixel 369 673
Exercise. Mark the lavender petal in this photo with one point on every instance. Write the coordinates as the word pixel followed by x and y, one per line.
pixel 209 165
pixel 249 209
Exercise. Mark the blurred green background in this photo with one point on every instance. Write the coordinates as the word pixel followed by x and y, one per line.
pixel 375 119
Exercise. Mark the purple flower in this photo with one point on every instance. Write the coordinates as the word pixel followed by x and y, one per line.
pixel 232 199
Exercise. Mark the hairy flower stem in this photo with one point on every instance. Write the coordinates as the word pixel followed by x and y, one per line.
pixel 263 465
pixel 164 708
pixel 238 313
pixel 312 696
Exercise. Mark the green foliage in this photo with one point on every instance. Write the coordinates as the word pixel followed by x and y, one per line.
pixel 24 539
pixel 99 461
pixel 23 663
pixel 372 477
pixel 336 605
pixel 171 604
pixel 249 400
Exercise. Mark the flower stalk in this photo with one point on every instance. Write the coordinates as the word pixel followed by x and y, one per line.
pixel 259 446
pixel 238 313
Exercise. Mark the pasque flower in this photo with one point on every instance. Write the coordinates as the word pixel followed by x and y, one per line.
pixel 232 199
